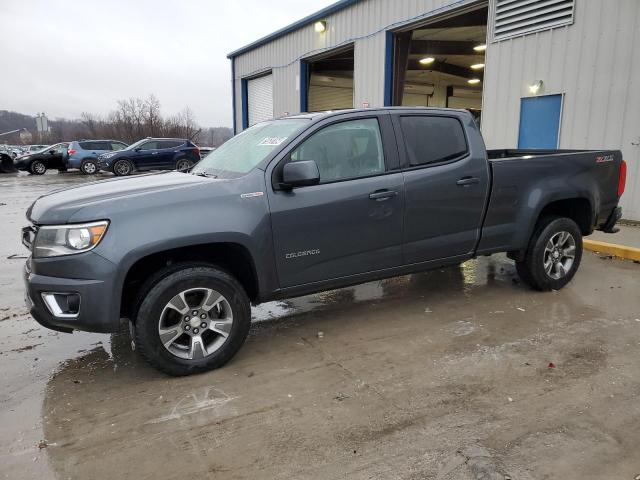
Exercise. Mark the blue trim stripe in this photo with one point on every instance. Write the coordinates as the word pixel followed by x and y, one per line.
pixel 245 104
pixel 304 84
pixel 333 8
pixel 233 95
pixel 388 69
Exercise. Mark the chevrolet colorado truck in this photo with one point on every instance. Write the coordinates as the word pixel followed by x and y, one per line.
pixel 300 205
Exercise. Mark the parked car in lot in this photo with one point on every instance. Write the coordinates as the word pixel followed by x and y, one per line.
pixel 37 163
pixel 300 205
pixel 83 154
pixel 29 149
pixel 151 154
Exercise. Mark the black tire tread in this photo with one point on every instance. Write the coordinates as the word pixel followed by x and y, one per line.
pixel 164 279
pixel 530 269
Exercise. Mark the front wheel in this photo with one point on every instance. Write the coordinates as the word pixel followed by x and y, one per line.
pixel 193 318
pixel 37 167
pixel 122 168
pixel 553 255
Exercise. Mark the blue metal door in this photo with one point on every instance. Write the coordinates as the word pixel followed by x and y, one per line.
pixel 540 121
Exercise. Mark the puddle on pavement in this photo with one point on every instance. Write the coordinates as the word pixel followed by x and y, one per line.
pixel 93 401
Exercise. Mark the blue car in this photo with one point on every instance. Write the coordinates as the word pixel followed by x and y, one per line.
pixel 84 154
pixel 151 154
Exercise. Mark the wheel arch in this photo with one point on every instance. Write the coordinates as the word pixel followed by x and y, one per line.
pixel 232 257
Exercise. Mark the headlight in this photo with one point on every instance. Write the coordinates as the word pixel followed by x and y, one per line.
pixel 53 241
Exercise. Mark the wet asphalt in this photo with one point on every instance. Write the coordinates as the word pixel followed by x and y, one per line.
pixel 459 373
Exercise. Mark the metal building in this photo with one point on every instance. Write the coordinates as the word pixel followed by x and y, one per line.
pixel 536 73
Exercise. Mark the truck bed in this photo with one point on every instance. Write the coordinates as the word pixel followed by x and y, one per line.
pixel 524 180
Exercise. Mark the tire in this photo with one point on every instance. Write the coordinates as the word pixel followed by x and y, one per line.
pixel 37 167
pixel 183 165
pixel 122 168
pixel 89 167
pixel 186 347
pixel 553 255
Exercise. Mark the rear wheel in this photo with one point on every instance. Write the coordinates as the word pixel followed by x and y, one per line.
pixel 89 167
pixel 554 254
pixel 192 319
pixel 183 165
pixel 122 168
pixel 37 167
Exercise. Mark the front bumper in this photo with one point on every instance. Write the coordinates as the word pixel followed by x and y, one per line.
pixel 98 307
pixel 105 164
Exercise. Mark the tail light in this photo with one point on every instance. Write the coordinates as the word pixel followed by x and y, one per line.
pixel 622 179
pixel 196 151
pixel 71 151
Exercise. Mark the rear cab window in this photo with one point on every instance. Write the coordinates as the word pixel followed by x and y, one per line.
pixel 432 139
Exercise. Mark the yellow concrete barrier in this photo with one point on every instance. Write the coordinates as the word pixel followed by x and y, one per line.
pixel 622 251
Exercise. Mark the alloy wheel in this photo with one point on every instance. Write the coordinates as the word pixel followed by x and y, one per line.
pixel 559 255
pixel 195 323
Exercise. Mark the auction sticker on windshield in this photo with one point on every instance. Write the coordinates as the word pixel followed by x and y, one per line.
pixel 272 141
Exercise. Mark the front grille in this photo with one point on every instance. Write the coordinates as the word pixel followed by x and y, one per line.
pixel 29 236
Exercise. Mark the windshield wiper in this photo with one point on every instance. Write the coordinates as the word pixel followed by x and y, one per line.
pixel 204 174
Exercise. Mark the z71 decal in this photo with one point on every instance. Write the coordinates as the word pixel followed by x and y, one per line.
pixel 604 158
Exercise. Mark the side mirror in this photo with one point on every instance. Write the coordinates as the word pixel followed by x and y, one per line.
pixel 300 174
pixel 138 149
pixel 51 152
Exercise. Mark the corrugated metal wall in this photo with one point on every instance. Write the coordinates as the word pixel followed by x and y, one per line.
pixel 362 24
pixel 595 63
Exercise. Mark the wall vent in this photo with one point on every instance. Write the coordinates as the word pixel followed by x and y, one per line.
pixel 519 17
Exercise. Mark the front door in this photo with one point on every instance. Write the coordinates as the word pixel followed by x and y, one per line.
pixel 446 182
pixel 147 155
pixel 351 222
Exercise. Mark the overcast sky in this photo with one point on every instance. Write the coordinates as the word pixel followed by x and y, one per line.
pixel 67 57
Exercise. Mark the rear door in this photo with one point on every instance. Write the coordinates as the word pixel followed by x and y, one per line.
pixel 446 185
pixel 168 150
pixel 351 222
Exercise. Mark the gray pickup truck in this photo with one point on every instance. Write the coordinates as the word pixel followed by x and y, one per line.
pixel 300 205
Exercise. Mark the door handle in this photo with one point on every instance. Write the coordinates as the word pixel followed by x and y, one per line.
pixel 464 181
pixel 382 194
pixel 154 153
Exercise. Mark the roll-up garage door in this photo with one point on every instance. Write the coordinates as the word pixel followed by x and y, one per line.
pixel 260 99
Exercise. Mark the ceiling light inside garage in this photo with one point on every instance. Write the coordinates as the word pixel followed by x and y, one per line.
pixel 427 60
pixel 473 81
pixel 480 48
pixel 320 26
pixel 477 66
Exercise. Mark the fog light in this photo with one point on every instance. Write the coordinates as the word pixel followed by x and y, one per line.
pixel 62 305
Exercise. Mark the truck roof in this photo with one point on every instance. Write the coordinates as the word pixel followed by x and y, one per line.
pixel 314 115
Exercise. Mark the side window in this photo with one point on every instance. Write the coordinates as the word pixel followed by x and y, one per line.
pixel 344 150
pixel 117 146
pixel 432 139
pixel 86 145
pixel 149 146
pixel 62 148
pixel 102 146
pixel 169 144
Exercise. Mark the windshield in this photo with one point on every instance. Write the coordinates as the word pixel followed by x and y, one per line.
pixel 243 152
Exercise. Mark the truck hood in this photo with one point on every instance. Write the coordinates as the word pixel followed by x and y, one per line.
pixel 59 206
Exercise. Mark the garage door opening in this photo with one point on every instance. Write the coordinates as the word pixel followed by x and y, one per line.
pixel 327 82
pixel 440 63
